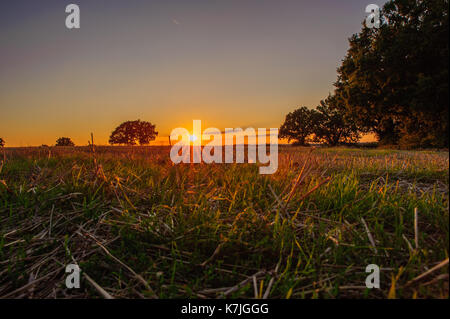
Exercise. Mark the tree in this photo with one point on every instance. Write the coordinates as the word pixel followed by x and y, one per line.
pixel 298 126
pixel 133 132
pixel 331 126
pixel 2 142
pixel 394 80
pixel 64 141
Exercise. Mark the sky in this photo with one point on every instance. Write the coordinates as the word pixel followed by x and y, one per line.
pixel 229 63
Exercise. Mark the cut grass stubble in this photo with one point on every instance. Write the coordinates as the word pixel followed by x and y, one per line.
pixel 141 227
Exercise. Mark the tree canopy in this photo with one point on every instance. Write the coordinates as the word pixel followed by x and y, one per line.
pixel 133 132
pixel 325 124
pixel 394 80
pixel 2 142
pixel 64 141
pixel 298 126
pixel 331 127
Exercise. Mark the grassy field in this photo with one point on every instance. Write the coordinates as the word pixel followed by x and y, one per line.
pixel 140 227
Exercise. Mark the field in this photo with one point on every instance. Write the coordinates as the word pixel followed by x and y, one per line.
pixel 141 227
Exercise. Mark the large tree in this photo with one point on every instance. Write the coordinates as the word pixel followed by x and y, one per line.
pixel 133 132
pixel 2 142
pixel 331 126
pixel 298 126
pixel 394 80
pixel 64 141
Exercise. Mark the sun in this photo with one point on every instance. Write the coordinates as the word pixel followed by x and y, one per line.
pixel 192 138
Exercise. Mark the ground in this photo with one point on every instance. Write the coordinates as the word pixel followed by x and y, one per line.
pixel 141 227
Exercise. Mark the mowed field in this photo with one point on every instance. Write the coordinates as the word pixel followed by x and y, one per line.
pixel 141 227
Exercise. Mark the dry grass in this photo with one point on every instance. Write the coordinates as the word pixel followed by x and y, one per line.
pixel 140 227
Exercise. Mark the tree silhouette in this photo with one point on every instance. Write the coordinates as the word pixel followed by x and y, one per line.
pixel 64 141
pixel 133 132
pixel 298 126
pixel 394 80
pixel 331 126
pixel 2 142
pixel 325 124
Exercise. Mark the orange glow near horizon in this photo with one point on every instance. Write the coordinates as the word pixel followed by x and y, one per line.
pixel 159 141
pixel 231 63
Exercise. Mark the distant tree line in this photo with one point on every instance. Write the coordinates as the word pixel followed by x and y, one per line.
pixel 127 133
pixel 393 82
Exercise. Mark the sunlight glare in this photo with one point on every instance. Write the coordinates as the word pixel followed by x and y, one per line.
pixel 192 138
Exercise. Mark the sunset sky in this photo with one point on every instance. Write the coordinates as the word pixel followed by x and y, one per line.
pixel 230 63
